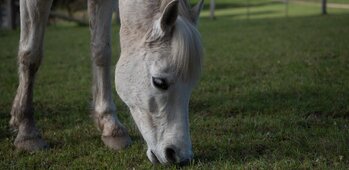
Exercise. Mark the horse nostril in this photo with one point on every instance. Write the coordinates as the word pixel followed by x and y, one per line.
pixel 170 154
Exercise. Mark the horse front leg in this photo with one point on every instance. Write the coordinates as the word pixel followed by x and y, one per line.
pixel 114 134
pixel 34 14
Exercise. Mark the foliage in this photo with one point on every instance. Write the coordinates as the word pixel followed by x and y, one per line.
pixel 70 5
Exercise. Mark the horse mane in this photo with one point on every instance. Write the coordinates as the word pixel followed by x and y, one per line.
pixel 186 44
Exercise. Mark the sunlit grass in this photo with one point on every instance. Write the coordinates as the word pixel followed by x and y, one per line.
pixel 271 9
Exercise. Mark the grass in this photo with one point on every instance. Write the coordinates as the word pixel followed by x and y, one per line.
pixel 266 9
pixel 329 1
pixel 274 95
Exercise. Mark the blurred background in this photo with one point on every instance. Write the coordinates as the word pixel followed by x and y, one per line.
pixel 75 10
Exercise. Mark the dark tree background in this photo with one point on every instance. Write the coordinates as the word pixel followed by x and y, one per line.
pixel 71 6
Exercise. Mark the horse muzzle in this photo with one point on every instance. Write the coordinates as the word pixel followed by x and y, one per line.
pixel 170 155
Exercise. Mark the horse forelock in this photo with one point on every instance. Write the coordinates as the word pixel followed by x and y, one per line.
pixel 186 47
pixel 186 50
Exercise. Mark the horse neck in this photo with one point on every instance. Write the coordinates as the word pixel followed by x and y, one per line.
pixel 137 17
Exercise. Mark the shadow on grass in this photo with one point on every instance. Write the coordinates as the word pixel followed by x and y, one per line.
pixel 5 131
pixel 319 104
pixel 232 153
pixel 314 109
pixel 64 124
pixel 301 101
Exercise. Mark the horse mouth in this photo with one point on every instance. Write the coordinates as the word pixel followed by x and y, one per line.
pixel 152 157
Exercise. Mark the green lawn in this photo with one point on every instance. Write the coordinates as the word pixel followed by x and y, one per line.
pixel 237 9
pixel 274 94
pixel 329 1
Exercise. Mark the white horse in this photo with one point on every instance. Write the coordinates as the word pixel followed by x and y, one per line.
pixel 159 65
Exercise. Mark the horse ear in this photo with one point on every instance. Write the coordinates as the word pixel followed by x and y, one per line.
pixel 169 16
pixel 195 12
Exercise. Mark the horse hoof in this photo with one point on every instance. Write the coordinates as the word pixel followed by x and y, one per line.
pixel 31 145
pixel 119 139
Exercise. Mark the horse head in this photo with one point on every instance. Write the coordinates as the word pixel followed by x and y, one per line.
pixel 160 63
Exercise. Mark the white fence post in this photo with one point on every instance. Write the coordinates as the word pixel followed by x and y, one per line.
pixel 212 8
pixel 286 8
pixel 247 9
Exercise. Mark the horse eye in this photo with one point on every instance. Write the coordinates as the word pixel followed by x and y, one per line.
pixel 160 83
